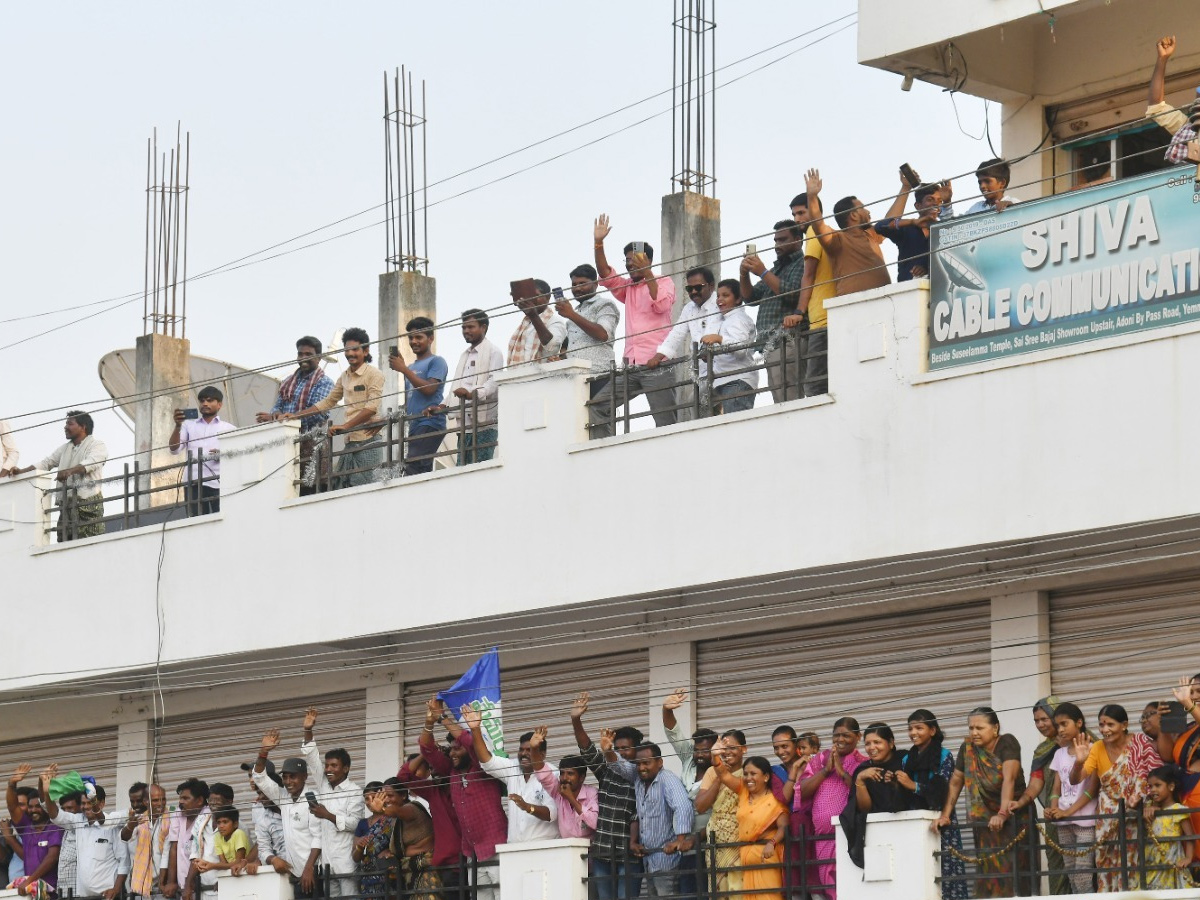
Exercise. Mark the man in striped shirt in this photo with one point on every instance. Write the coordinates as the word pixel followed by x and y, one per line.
pixel 663 827
pixel 615 873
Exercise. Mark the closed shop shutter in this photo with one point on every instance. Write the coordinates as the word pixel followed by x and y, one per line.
pixel 87 752
pixel 875 669
pixel 543 694
pixel 212 746
pixel 1123 645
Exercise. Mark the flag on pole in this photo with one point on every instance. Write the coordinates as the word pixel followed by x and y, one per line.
pixel 480 687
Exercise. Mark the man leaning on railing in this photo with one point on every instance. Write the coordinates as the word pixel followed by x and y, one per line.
pixel 80 464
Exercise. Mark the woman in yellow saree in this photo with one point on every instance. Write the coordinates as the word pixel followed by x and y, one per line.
pixel 762 825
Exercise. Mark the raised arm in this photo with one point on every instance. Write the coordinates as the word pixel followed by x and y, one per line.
pixel 1158 79
pixel 726 777
pixel 896 210
pixel 578 708
pixel 683 746
pixel 600 231
pixel 813 184
pixel 44 792
pixel 14 804
pixel 312 756
pixel 474 721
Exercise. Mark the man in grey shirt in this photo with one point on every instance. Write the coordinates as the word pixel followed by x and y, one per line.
pixel 590 325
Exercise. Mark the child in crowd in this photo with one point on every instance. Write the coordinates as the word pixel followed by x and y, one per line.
pixel 230 842
pixel 1170 832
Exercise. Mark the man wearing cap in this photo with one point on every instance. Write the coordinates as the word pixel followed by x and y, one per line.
pixel 340 810
pixel 301 830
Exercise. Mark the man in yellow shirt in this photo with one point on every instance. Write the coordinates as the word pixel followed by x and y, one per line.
pixel 816 287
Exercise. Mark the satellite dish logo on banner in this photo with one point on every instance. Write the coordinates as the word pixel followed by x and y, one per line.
pixel 480 688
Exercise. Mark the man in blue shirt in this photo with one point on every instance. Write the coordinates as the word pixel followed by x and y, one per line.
pixel 911 236
pixel 424 386
pixel 662 829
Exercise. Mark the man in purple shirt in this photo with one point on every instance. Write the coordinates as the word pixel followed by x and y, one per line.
pixel 474 796
pixel 40 838
pixel 199 437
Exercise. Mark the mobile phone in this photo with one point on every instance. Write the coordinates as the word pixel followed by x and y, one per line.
pixel 393 350
pixel 752 249
pixel 1176 719
pixel 191 413
pixel 639 246
pixel 558 294
pixel 909 174
pixel 311 798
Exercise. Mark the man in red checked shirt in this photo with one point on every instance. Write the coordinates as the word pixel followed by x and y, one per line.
pixel 648 301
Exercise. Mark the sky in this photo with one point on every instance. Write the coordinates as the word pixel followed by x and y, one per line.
pixel 284 105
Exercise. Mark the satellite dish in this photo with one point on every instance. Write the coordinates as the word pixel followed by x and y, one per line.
pixel 246 392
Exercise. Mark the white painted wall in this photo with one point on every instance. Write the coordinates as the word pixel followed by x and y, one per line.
pixel 896 462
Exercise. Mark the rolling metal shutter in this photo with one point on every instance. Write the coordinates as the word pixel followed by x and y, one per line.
pixel 1123 645
pixel 87 752
pixel 875 669
pixel 212 746
pixel 542 695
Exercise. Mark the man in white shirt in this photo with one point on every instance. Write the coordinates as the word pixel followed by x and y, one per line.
pixel 301 830
pixel 199 437
pixel 103 858
pixel 80 464
pixel 532 812
pixel 697 318
pixel 340 809
pixel 475 382
pixel 9 455
pixel 146 834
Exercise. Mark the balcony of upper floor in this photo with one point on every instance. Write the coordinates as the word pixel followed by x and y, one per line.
pixel 1042 383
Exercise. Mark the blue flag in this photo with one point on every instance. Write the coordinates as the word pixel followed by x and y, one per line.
pixel 480 687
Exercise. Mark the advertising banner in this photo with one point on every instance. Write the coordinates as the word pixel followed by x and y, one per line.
pixel 1118 258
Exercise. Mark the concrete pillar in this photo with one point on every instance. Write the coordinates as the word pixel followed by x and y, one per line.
pixel 541 406
pixel 898 859
pixel 672 666
pixel 1024 128
pixel 266 885
pixel 385 732
pixel 539 870
pixel 135 741
pixel 24 514
pixel 691 236
pixel 259 470
pixel 1020 654
pixel 402 296
pixel 163 366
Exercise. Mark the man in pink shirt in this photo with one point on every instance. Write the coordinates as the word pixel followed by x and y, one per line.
pixel 648 302
pixel 578 803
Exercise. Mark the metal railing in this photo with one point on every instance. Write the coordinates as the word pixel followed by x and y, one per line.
pixel 393 878
pixel 1012 862
pixel 714 870
pixel 71 516
pixel 798 371
pixel 393 451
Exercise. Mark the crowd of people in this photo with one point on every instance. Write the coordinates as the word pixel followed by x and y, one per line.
pixel 1118 812
pixel 814 262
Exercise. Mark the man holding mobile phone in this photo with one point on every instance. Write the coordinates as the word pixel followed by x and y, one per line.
pixel 199 435
pixel 540 333
pixel 301 829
